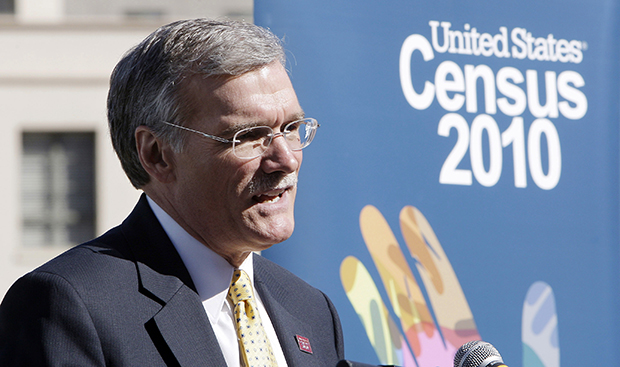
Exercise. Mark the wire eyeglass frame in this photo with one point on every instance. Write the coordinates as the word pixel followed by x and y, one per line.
pixel 259 138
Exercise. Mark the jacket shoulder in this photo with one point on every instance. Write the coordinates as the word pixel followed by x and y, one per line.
pixel 97 255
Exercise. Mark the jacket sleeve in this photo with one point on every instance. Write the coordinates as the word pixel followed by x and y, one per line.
pixel 44 322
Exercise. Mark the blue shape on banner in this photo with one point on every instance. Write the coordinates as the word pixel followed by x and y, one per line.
pixel 541 346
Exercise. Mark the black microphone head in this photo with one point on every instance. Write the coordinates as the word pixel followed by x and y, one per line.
pixel 477 354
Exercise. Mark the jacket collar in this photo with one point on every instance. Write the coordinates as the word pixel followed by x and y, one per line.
pixel 152 249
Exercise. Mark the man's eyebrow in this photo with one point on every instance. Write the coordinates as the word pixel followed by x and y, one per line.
pixel 298 116
pixel 234 129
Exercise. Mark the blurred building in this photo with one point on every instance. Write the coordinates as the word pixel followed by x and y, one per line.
pixel 62 183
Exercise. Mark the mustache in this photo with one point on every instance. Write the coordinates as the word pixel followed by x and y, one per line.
pixel 272 182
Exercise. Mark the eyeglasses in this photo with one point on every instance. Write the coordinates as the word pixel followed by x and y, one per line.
pixel 252 142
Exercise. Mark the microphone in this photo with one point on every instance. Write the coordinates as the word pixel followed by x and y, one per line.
pixel 478 354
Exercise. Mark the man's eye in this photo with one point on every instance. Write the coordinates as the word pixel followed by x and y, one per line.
pixel 253 134
pixel 294 126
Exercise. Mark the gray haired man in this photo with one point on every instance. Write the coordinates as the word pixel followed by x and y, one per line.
pixel 205 121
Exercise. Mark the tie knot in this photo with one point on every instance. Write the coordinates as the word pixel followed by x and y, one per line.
pixel 240 287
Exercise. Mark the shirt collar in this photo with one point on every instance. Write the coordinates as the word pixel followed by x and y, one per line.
pixel 210 272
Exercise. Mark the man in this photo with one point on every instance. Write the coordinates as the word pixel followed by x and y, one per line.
pixel 206 122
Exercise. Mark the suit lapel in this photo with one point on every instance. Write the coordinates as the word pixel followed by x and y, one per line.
pixel 184 327
pixel 181 326
pixel 286 325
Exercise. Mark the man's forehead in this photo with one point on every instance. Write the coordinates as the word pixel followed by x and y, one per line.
pixel 261 96
pixel 273 73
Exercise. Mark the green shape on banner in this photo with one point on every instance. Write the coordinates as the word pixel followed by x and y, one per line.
pixel 530 358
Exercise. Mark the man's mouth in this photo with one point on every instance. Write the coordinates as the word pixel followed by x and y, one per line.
pixel 272 196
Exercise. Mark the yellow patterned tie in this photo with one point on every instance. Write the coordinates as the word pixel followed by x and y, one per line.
pixel 255 348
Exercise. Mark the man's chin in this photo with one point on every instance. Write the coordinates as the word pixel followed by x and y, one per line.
pixel 275 232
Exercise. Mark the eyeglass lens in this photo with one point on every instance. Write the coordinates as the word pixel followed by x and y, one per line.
pixel 254 141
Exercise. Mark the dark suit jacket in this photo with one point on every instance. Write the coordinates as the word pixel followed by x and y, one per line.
pixel 126 299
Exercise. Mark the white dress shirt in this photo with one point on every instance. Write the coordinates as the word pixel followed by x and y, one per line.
pixel 212 275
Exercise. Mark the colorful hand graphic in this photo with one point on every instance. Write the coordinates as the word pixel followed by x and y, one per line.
pixel 539 330
pixel 426 342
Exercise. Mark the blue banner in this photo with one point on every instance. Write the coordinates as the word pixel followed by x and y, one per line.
pixel 464 183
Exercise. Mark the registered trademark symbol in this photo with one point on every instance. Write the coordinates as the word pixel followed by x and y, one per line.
pixel 584 45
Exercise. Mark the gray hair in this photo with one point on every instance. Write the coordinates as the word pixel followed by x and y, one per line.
pixel 145 86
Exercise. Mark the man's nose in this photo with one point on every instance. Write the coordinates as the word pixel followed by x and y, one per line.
pixel 280 157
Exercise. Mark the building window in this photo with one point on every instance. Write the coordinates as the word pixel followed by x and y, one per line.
pixel 7 6
pixel 58 188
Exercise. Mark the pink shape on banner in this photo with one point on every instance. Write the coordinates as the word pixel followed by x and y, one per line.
pixel 433 351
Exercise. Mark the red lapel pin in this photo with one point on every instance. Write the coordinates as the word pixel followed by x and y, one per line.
pixel 304 344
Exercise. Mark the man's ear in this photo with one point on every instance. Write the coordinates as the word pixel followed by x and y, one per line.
pixel 155 155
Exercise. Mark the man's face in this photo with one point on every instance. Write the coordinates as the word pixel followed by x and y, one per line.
pixel 234 205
